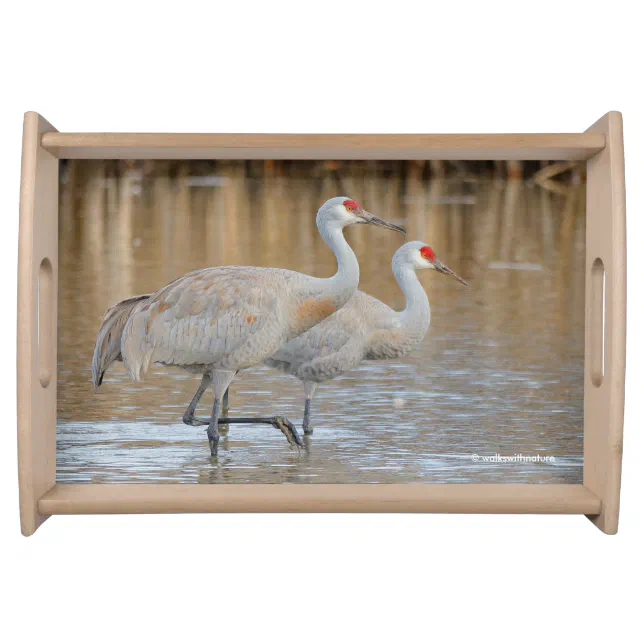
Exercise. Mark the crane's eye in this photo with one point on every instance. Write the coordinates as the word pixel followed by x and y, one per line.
pixel 351 205
pixel 349 208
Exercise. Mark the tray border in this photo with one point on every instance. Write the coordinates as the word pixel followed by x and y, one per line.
pixel 598 497
pixel 606 240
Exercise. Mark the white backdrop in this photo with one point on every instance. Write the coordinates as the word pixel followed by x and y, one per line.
pixel 321 67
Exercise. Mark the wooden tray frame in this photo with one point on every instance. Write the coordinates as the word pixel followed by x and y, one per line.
pixel 598 497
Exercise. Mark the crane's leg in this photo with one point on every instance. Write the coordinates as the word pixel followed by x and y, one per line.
pixel 220 380
pixel 279 422
pixel 189 415
pixel 223 427
pixel 309 391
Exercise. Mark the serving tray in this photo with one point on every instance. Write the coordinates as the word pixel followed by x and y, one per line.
pixel 601 146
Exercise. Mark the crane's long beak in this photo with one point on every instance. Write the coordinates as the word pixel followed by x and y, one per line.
pixel 441 268
pixel 376 221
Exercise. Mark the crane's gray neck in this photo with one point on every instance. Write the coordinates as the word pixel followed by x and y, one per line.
pixel 345 282
pixel 416 315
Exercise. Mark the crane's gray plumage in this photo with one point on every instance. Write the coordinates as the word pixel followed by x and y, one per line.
pixel 108 343
pixel 363 329
pixel 217 321
pixel 226 318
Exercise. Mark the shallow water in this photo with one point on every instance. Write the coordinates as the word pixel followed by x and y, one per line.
pixel 500 372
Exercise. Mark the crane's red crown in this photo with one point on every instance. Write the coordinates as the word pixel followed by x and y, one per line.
pixel 350 204
pixel 428 253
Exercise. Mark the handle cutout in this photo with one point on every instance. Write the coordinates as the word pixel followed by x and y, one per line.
pixel 597 322
pixel 45 321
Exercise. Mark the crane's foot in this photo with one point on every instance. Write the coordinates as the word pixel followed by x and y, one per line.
pixel 193 421
pixel 288 429
pixel 213 441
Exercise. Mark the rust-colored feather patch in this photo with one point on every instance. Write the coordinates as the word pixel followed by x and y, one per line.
pixel 154 311
pixel 163 306
pixel 312 311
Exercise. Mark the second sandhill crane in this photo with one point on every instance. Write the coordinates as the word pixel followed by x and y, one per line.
pixel 218 321
pixel 363 329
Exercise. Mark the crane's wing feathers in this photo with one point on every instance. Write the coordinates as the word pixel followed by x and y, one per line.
pixel 322 340
pixel 202 317
pixel 364 328
pixel 328 349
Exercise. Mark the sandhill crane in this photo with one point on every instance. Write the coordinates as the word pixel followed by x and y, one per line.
pixel 218 321
pixel 363 329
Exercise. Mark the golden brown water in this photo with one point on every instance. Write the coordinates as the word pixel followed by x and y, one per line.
pixel 500 371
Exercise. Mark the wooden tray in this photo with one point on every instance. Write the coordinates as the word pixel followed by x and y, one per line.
pixel 598 498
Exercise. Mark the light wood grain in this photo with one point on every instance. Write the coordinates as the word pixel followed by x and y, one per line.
pixel 323 146
pixel 477 499
pixel 604 404
pixel 36 403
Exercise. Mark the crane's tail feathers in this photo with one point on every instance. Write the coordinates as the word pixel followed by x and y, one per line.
pixel 108 342
pixel 138 367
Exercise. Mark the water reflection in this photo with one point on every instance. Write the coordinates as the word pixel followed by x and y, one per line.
pixel 501 370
